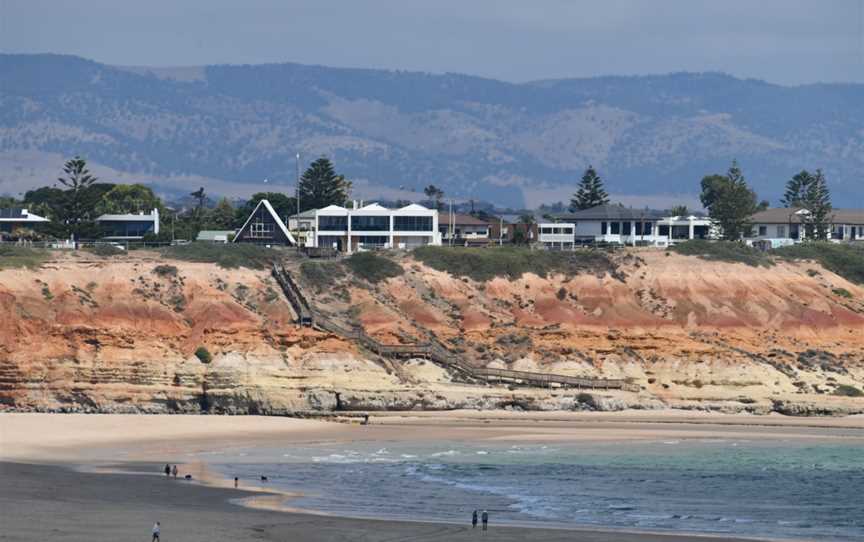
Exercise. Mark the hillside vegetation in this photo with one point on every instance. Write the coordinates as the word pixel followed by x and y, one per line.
pixel 12 257
pixel 228 256
pixel 845 260
pixel 466 134
pixel 482 264
pixel 724 251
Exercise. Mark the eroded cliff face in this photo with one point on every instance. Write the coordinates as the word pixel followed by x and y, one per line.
pixel 120 335
pixel 688 331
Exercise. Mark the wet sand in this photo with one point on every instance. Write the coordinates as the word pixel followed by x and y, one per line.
pixel 44 497
pixel 44 502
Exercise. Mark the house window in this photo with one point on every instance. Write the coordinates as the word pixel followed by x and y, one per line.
pixel 259 229
pixel 412 223
pixel 603 228
pixel 663 231
pixel 372 241
pixel 627 228
pixel 370 223
pixel 781 232
pixel 616 228
pixel 333 223
pixel 763 231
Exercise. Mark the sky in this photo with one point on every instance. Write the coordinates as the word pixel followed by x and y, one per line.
pixel 782 41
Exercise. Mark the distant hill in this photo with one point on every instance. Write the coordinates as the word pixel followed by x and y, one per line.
pixel 481 138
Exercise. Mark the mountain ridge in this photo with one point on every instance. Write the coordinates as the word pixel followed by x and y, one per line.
pixel 510 143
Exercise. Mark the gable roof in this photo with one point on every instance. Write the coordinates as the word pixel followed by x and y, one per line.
pixel 309 213
pixel 414 207
pixel 462 220
pixel 373 207
pixel 18 214
pixel 275 217
pixel 793 215
pixel 610 212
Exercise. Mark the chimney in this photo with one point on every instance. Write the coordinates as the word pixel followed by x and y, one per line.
pixel 354 204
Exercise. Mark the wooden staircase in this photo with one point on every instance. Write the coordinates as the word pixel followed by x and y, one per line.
pixel 433 350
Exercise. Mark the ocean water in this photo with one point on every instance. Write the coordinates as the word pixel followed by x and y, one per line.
pixel 790 489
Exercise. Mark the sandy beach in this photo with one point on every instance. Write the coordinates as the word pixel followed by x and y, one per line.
pixel 95 477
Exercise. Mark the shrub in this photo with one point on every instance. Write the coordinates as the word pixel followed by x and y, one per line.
pixel 105 250
pixel 229 256
pixel 165 270
pixel 13 257
pixel 842 259
pixel 322 275
pixel 842 292
pixel 724 251
pixel 203 354
pixel 482 264
pixel 561 294
pixel 846 390
pixel 373 267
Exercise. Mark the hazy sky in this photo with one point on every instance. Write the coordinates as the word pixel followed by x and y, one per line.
pixel 783 41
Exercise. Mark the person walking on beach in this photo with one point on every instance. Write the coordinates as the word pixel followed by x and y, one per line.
pixel 167 470
pixel 474 520
pixel 485 519
pixel 156 530
pixel 174 471
pixel 235 482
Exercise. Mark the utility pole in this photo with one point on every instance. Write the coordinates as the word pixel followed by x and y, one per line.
pixel 298 184
pixel 450 224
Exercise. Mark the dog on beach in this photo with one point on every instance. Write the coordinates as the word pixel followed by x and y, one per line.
pixel 263 478
pixel 188 476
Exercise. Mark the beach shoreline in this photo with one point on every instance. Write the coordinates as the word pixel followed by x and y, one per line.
pixel 109 452
pixel 199 512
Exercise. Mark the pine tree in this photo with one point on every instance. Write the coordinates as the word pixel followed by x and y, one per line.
pixel 679 210
pixel 320 186
pixel 590 192
pixel 817 200
pixel 77 204
pixel 796 189
pixel 730 203
pixel 435 194
pixel 221 217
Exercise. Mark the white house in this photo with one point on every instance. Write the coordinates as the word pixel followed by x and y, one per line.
pixel 15 218
pixel 464 229
pixel 302 225
pixel 615 224
pixel 369 227
pixel 559 235
pixel 783 226
pixel 215 236
pixel 129 227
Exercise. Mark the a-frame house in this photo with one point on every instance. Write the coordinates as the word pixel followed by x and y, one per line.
pixel 264 227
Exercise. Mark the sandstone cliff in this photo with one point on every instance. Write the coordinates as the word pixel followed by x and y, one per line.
pixel 120 335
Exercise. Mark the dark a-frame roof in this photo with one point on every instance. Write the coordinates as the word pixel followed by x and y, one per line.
pixel 267 208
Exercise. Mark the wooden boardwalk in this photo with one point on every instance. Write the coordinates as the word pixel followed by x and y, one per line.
pixel 434 351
